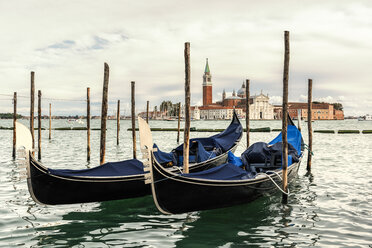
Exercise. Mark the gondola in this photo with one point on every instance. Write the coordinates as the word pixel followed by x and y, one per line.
pixel 123 179
pixel 228 184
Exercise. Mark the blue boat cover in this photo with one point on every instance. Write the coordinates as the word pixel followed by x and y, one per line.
pixel 223 172
pixel 232 159
pixel 294 138
pixel 111 169
pixel 163 157
pixel 227 138
pixel 222 141
pixel 200 156
pixel 230 171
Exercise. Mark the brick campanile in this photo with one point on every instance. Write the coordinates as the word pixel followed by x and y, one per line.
pixel 207 86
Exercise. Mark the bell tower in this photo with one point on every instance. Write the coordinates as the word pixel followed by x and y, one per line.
pixel 207 86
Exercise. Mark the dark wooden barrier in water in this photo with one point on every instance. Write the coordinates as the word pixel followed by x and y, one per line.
pixel 348 131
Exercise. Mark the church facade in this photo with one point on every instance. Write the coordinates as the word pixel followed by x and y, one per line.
pixel 259 106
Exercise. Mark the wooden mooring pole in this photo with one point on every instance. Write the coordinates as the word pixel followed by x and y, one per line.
pixel 88 124
pixel 118 123
pixel 133 119
pixel 32 108
pixel 285 117
pixel 309 124
pixel 179 123
pixel 247 110
pixel 50 121
pixel 14 124
pixel 104 114
pixel 39 125
pixel 186 140
pixel 147 111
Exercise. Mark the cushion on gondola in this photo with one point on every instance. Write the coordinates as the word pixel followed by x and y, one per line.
pixel 111 169
pixel 223 172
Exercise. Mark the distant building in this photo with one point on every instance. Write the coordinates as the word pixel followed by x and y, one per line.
pixel 259 107
pixel 320 111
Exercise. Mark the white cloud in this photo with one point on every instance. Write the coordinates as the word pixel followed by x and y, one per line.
pixel 66 43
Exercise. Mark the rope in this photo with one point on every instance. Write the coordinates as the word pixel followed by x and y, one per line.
pixel 261 173
pixel 306 146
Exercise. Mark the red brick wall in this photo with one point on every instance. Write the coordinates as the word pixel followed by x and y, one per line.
pixel 338 114
pixel 207 95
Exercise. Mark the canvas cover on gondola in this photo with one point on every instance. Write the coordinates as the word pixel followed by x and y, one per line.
pixel 257 153
pixel 294 138
pixel 110 181
pixel 223 172
pixel 111 169
pixel 223 141
pixel 225 185
pixel 202 149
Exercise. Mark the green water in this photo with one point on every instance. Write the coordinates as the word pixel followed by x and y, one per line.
pixel 329 208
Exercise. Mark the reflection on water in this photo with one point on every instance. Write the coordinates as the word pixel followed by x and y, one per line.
pixel 329 207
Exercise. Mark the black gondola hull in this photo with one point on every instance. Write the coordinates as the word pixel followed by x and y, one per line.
pixel 52 190
pixel 49 189
pixel 176 194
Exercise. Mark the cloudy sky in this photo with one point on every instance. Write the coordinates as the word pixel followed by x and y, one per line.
pixel 67 42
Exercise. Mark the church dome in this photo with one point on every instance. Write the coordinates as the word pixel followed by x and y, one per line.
pixel 241 91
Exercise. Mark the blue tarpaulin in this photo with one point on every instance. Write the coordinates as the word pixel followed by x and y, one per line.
pixel 111 169
pixel 294 138
pixel 232 171
pixel 163 157
pixel 229 135
pixel 202 149
pixel 223 141
pixel 232 159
